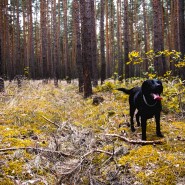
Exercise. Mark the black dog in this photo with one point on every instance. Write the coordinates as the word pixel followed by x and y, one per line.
pixel 146 99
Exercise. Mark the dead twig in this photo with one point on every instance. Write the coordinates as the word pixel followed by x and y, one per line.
pixel 36 150
pixel 96 151
pixel 135 141
pixel 51 121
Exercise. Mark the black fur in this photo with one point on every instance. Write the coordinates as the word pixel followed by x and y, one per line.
pixel 146 99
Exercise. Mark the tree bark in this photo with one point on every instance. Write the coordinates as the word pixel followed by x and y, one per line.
pixel 102 43
pixel 86 45
pixel 45 70
pixel 65 45
pixel 1 34
pixel 94 46
pixel 119 40
pixel 159 62
pixel 126 39
pixel 31 43
pixel 76 14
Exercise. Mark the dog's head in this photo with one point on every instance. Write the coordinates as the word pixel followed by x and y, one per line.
pixel 152 88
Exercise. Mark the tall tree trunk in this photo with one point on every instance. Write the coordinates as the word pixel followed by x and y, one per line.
pixel 31 42
pixel 173 20
pixel 159 63
pixel 18 47
pixel 65 45
pixel 25 63
pixel 43 20
pixel 76 14
pixel 107 37
pixel 181 26
pixel 86 45
pixel 1 36
pixel 111 53
pixel 94 46
pixel 119 45
pixel 49 33
pixel 126 39
pixel 55 49
pixel 7 44
pixel 58 42
pixel 145 35
pixel 133 32
pixel 102 43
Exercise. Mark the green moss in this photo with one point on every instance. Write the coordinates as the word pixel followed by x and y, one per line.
pixel 151 166
pixel 6 181
pixel 13 168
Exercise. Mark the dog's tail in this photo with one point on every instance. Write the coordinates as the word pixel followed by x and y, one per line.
pixel 127 91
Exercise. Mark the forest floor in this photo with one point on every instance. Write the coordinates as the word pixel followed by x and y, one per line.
pixel 52 135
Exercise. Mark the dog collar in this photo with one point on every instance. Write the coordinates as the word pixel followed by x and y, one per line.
pixel 147 102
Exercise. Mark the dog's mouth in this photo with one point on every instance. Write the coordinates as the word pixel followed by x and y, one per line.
pixel 156 96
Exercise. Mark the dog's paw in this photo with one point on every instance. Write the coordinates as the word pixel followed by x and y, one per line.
pixel 159 134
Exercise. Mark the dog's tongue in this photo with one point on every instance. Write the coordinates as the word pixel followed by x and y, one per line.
pixel 157 97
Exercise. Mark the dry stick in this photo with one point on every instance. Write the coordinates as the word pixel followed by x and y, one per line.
pixel 83 158
pixel 97 151
pixel 51 121
pixel 36 150
pixel 135 141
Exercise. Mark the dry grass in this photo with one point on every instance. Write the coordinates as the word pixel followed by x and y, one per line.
pixel 62 139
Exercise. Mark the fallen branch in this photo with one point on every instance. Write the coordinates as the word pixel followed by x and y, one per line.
pixel 37 150
pixel 135 141
pixel 96 151
pixel 51 121
pixel 73 167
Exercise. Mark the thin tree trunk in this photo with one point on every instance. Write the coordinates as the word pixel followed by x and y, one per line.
pixel 120 61
pixel 107 38
pixel 181 33
pixel 145 34
pixel 102 43
pixel 1 36
pixel 44 39
pixel 126 39
pixel 31 42
pixel 94 46
pixel 65 45
pixel 76 14
pixel 111 53
pixel 55 51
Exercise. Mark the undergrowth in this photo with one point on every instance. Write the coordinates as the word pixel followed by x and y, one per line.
pixel 52 135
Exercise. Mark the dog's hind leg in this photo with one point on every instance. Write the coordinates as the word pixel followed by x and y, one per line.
pixel 137 119
pixel 132 110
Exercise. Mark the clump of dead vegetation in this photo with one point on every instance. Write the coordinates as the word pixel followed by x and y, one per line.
pixel 52 135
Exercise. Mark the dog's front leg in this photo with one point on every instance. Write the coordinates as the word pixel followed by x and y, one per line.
pixel 158 129
pixel 143 127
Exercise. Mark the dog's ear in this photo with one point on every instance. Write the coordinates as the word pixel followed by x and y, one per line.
pixel 145 88
pixel 160 86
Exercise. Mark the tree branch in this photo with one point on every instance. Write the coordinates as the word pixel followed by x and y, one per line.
pixel 35 150
pixel 135 141
pixel 51 121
